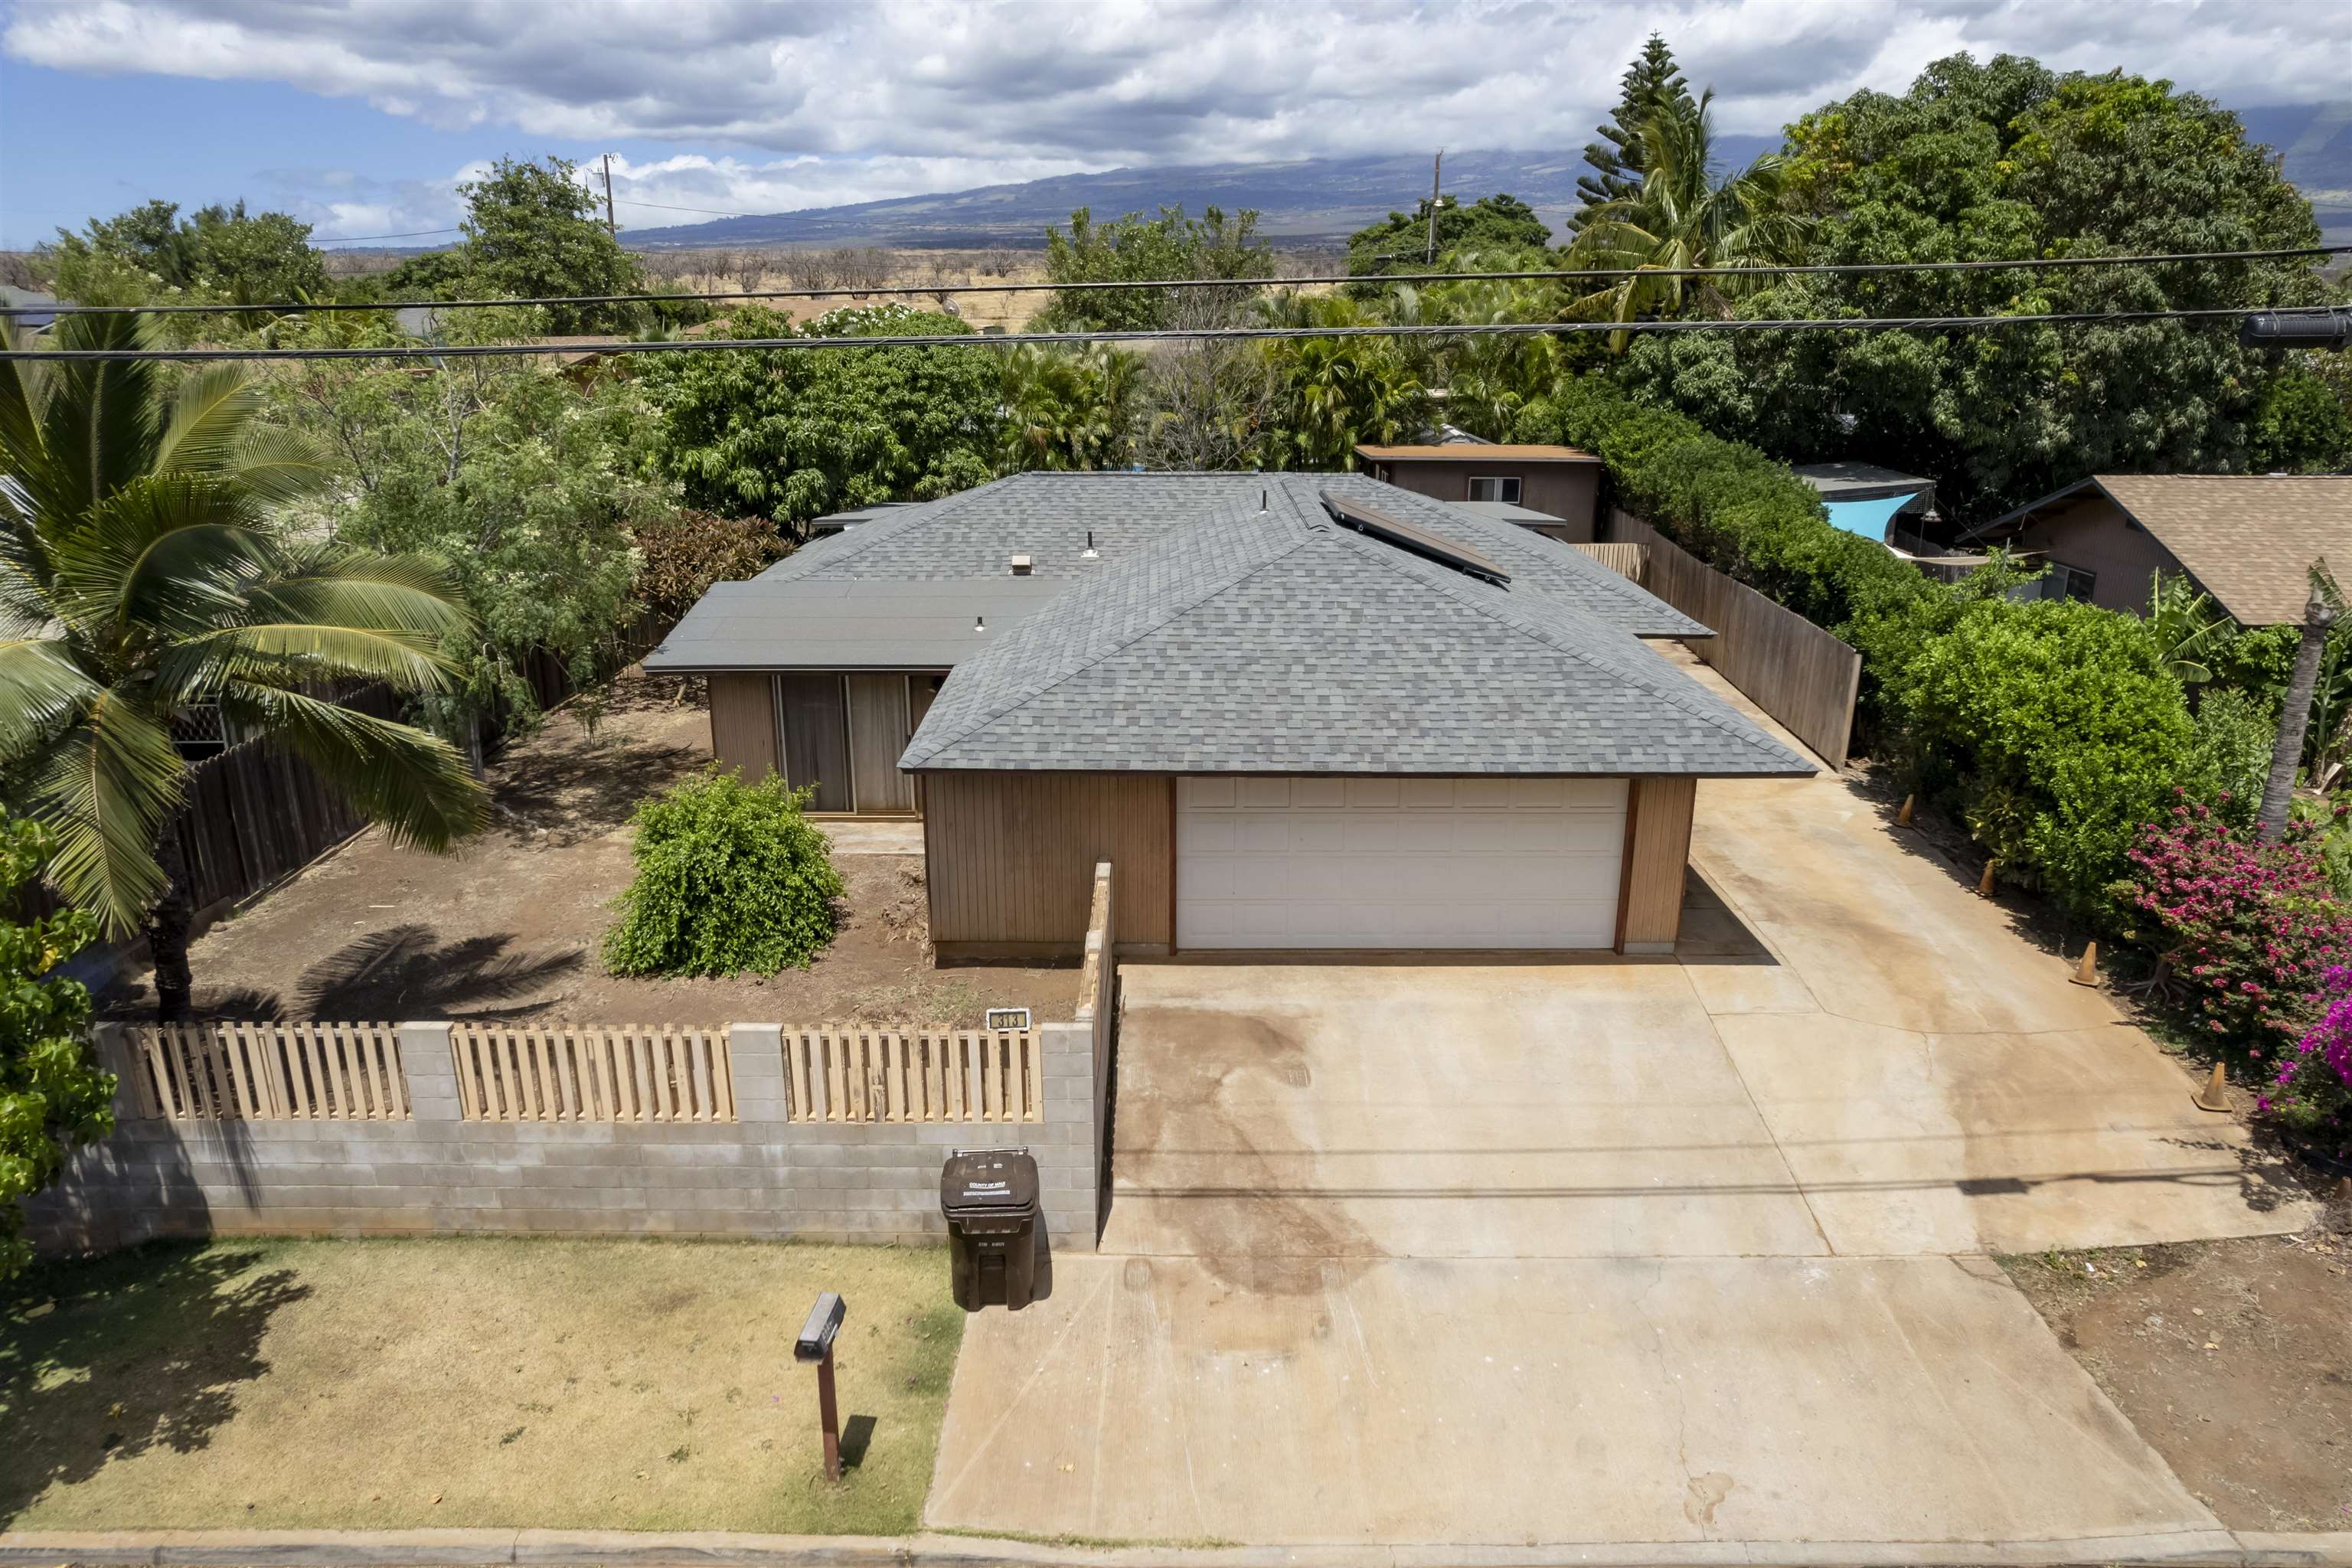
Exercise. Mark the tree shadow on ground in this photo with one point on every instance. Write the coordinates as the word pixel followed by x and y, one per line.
pixel 139 1350
pixel 404 972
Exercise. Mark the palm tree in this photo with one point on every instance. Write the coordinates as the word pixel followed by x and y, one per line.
pixel 2319 613
pixel 142 574
pixel 1067 409
pixel 1684 217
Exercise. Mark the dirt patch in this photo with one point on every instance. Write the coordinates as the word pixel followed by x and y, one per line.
pixel 397 1384
pixel 2233 1358
pixel 510 926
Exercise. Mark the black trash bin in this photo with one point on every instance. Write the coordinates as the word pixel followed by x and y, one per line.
pixel 990 1199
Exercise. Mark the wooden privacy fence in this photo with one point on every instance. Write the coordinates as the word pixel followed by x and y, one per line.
pixel 1630 561
pixel 549 1072
pixel 846 1073
pixel 1787 666
pixel 287 1072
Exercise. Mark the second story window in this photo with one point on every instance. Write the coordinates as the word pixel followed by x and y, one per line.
pixel 1494 486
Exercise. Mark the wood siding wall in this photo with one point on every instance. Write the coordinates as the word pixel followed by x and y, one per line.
pixel 1568 492
pixel 1011 860
pixel 1657 847
pixel 1787 666
pixel 743 723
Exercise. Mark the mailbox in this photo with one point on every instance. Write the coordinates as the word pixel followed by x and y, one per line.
pixel 823 1322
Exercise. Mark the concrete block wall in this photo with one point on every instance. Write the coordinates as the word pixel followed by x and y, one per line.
pixel 760 1175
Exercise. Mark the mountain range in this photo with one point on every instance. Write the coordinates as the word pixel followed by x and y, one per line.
pixel 1312 203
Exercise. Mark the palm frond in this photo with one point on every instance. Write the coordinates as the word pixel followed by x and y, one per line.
pixel 208 417
pixel 299 653
pixel 41 689
pixel 279 465
pixel 98 422
pixel 121 561
pixel 414 783
pixel 341 587
pixel 105 790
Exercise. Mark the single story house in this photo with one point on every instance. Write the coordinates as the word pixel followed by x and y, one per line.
pixel 2247 540
pixel 1559 485
pixel 1880 504
pixel 1294 710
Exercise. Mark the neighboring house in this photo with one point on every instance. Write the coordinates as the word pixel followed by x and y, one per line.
pixel 1559 484
pixel 1880 504
pixel 1893 508
pixel 30 309
pixel 1294 710
pixel 2247 540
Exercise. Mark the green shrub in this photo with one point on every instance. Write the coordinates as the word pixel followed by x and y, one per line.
pixel 1746 515
pixel 731 880
pixel 53 1096
pixel 2060 729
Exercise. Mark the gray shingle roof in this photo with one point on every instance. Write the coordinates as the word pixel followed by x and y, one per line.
pixel 1278 641
pixel 1044 516
pixel 849 623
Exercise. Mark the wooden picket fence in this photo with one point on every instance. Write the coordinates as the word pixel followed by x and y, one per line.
pixel 554 1072
pixel 298 1072
pixel 847 1073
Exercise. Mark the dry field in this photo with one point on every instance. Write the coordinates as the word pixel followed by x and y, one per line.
pixel 717 271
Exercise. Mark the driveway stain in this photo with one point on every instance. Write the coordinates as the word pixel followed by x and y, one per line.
pixel 1226 1091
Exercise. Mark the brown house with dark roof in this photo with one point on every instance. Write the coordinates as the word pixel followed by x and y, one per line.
pixel 2247 540
pixel 1560 483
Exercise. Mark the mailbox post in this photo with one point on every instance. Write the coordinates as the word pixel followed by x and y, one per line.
pixel 816 1344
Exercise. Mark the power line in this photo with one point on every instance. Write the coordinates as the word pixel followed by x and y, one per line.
pixel 2029 264
pixel 1174 335
pixel 666 207
pixel 357 238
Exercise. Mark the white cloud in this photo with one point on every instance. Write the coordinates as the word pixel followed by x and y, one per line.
pixel 836 103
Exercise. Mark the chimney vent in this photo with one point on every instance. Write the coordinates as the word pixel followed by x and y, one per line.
pixel 1021 566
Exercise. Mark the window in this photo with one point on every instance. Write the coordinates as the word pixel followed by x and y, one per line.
pixel 2061 582
pixel 1494 486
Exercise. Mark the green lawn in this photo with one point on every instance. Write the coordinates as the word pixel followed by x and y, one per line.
pixel 388 1384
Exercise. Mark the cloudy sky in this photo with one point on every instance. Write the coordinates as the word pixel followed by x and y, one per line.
pixel 361 115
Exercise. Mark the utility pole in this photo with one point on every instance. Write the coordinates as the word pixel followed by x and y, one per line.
pixel 610 227
pixel 1436 170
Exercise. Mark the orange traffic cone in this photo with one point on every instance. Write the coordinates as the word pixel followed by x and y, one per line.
pixel 1903 817
pixel 2087 972
pixel 1984 883
pixel 2215 1095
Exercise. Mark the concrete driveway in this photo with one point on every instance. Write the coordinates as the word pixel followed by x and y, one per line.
pixel 1619 1251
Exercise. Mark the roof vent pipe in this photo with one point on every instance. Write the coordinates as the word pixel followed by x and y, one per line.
pixel 979 622
pixel 1091 552
pixel 1262 496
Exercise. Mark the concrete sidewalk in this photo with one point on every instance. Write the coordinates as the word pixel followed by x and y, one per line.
pixel 560 1548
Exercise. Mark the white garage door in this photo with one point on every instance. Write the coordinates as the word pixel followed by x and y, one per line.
pixel 1398 862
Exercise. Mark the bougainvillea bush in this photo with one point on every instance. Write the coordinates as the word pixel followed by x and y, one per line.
pixel 2249 929
pixel 2310 1089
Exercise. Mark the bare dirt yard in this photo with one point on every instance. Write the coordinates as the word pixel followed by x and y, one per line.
pixel 397 1384
pixel 2233 1358
pixel 508 927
